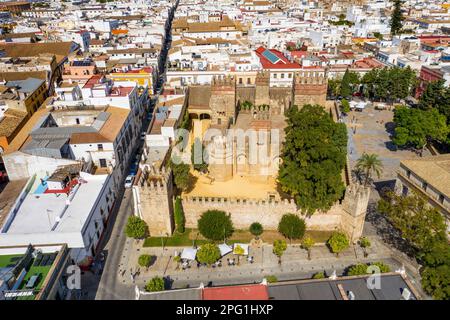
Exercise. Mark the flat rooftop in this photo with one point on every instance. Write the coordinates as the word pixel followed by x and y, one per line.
pixel 39 213
pixel 391 288
pixel 43 218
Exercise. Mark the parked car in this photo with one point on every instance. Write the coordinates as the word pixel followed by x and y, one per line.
pixel 133 168
pixel 129 181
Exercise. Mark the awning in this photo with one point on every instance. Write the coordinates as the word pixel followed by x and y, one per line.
pixel 243 246
pixel 189 253
pixel 224 249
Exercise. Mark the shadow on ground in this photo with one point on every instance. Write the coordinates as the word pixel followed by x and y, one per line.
pixel 386 230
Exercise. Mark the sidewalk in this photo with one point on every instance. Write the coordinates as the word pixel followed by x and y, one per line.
pixel 294 261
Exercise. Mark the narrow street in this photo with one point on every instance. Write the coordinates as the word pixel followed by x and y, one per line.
pixel 110 283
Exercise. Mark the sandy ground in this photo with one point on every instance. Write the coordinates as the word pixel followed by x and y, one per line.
pixel 239 187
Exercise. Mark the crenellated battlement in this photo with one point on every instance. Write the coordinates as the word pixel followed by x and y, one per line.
pixel 154 179
pixel 309 77
pixel 262 78
pixel 221 82
pixel 239 201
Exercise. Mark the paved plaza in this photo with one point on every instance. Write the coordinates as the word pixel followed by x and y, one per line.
pixel 372 135
pixel 295 264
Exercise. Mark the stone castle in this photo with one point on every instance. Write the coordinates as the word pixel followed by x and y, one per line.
pixel 224 105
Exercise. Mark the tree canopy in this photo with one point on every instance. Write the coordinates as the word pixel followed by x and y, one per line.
pixel 369 164
pixel 215 225
pixel 179 215
pixel 198 156
pixel 338 242
pixel 256 229
pixel 155 284
pixel 348 84
pixel 424 228
pixel 291 226
pixel 208 253
pixel 314 155
pixel 396 22
pixel 436 96
pixel 419 223
pixel 416 128
pixel 136 228
pixel 145 260
pixel 389 83
pixel 279 247
pixel 181 175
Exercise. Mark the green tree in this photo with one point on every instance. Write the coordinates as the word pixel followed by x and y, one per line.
pixel 348 83
pixel 155 284
pixel 438 254
pixel 382 266
pixel 246 105
pixel 338 242
pixel 396 22
pixel 378 35
pixel 334 87
pixel 436 272
pixel 208 253
pixel 319 275
pixel 436 96
pixel 181 175
pixel 291 226
pixel 345 106
pixel 279 247
pixel 215 225
pixel 419 223
pixel 145 260
pixel 179 215
pixel 198 156
pixel 357 270
pixel 136 228
pixel 364 243
pixel 256 229
pixel 308 243
pixel 436 281
pixel 415 127
pixel 369 164
pixel 314 155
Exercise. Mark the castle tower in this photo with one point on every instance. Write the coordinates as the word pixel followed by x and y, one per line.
pixel 223 100
pixel 309 87
pixel 221 158
pixel 262 88
pixel 155 200
pixel 354 210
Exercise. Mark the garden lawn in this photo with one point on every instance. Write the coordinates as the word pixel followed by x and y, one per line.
pixel 177 240
pixel 192 236
pixel 6 260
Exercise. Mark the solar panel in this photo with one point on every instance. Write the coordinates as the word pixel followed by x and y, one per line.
pixel 270 56
pixel 81 63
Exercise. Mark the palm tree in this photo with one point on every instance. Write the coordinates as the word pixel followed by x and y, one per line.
pixel 369 163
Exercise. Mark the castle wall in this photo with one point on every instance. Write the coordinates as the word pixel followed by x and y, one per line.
pixel 245 212
pixel 309 88
pixel 246 93
pixel 280 99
